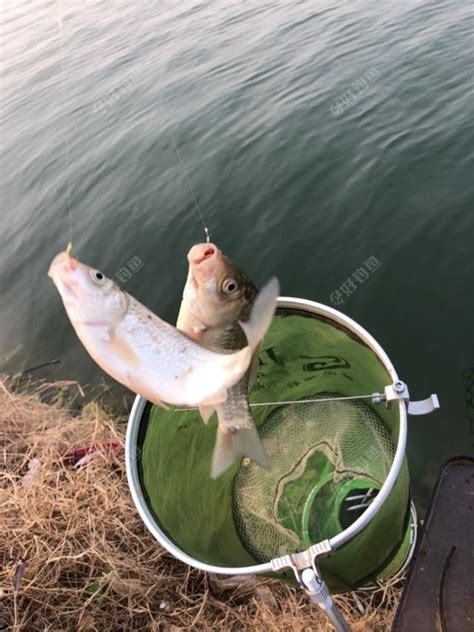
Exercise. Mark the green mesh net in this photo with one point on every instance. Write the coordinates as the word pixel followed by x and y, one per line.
pixel 322 455
pixel 327 459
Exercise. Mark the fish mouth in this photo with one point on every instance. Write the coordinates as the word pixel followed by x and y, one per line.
pixel 60 272
pixel 202 252
pixel 62 263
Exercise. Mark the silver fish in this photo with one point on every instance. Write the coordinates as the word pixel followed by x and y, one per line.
pixel 217 303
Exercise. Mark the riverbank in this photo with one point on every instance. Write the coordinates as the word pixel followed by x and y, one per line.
pixel 76 555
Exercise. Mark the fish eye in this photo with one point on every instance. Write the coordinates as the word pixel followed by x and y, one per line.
pixel 98 277
pixel 229 286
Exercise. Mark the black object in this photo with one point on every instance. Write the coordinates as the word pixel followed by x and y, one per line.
pixel 439 594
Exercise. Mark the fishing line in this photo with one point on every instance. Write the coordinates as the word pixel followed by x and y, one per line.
pixel 198 208
pixel 59 19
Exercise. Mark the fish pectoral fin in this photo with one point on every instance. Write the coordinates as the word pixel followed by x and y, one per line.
pixel 122 348
pixel 206 412
pixel 231 446
pixel 262 313
pixel 198 333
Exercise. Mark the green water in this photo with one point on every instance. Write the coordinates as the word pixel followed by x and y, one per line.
pixel 327 143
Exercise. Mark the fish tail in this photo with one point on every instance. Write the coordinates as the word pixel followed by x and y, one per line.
pixel 232 445
pixel 262 313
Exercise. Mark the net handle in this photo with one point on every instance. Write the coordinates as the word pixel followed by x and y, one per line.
pixel 335 542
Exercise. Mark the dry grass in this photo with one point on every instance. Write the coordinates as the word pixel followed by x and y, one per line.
pixel 76 556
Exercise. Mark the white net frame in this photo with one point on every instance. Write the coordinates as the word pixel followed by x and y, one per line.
pixel 132 452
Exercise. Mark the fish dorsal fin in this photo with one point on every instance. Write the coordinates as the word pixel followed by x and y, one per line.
pixel 122 349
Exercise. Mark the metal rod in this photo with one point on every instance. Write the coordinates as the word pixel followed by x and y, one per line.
pixel 301 401
pixel 318 592
pixel 335 617
pixel 361 506
pixel 360 496
pixel 322 399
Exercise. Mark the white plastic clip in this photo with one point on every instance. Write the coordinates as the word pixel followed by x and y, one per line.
pixel 424 406
pixel 399 390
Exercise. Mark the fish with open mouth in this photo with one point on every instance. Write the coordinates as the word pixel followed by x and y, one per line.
pixel 218 301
